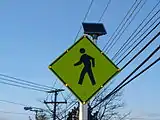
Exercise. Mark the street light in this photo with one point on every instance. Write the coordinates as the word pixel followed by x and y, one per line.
pixel 33 109
pixel 27 108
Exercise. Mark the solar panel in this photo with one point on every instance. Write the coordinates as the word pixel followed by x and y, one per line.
pixel 94 28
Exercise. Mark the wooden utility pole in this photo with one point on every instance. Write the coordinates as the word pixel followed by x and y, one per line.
pixel 55 101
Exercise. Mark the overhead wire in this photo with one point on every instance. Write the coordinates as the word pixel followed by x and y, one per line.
pixel 77 35
pixel 101 15
pixel 129 39
pixel 69 96
pixel 63 96
pixel 141 50
pixel 24 84
pixel 104 11
pixel 66 109
pixel 137 68
pixel 100 93
pixel 123 51
pixel 116 30
pixel 157 60
pixel 20 86
pixel 6 112
pixel 135 15
pixel 142 5
pixel 120 34
pixel 145 69
pixel 48 87
pixel 70 104
pixel 69 109
pixel 119 25
pixel 139 43
pixel 20 104
pixel 54 84
pixel 133 59
pixel 123 83
pixel 85 17
pixel 15 103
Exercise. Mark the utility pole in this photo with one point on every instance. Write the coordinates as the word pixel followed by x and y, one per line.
pixel 55 101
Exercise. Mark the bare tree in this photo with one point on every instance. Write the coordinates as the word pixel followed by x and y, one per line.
pixel 110 108
pixel 42 116
pixel 107 110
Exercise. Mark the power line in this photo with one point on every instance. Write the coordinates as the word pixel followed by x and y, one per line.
pixel 48 87
pixel 85 17
pixel 157 60
pixel 24 84
pixel 20 104
pixel 69 106
pixel 54 84
pixel 6 101
pixel 133 59
pixel 6 112
pixel 140 51
pixel 116 40
pixel 138 67
pixel 129 46
pixel 88 10
pixel 104 90
pixel 122 84
pixel 73 103
pixel 128 40
pixel 139 43
pixel 68 109
pixel 104 11
pixel 120 24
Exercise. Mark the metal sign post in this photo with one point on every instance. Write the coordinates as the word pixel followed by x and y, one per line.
pixel 83 108
pixel 94 30
pixel 84 58
pixel 83 111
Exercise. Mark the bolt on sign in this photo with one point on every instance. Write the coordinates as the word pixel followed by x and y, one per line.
pixel 84 69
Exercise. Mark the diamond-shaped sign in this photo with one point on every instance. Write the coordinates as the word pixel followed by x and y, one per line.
pixel 84 69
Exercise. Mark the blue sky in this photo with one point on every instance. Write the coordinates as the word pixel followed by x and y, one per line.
pixel 35 32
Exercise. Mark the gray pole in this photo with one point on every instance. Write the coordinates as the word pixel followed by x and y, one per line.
pixel 55 101
pixel 83 109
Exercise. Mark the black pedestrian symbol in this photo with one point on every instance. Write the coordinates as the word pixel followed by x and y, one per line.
pixel 86 60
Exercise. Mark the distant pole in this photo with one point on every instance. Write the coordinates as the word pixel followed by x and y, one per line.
pixel 55 101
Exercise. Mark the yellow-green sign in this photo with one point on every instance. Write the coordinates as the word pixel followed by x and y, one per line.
pixel 84 69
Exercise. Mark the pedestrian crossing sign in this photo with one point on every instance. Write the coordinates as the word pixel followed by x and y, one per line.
pixel 84 69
